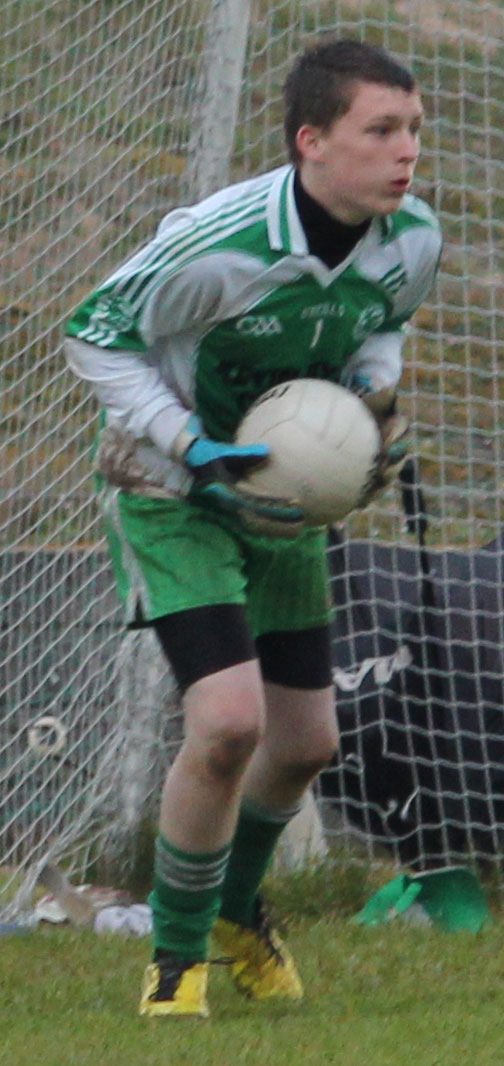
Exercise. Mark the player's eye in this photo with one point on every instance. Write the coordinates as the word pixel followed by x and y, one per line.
pixel 382 131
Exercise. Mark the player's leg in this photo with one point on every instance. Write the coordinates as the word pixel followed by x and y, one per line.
pixel 223 716
pixel 223 713
pixel 184 571
pixel 301 734
pixel 290 608
pixel 300 738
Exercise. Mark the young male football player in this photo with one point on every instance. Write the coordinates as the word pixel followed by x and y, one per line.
pixel 311 270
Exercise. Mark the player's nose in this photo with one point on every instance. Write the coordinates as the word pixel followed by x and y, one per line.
pixel 408 147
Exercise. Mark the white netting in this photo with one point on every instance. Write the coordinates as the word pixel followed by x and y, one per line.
pixel 110 113
pixel 97 101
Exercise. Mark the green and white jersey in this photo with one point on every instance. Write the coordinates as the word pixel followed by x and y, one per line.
pixel 227 301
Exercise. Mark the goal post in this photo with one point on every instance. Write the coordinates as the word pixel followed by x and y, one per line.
pixel 114 112
pixel 212 138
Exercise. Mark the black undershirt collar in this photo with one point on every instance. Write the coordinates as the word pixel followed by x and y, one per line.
pixel 328 238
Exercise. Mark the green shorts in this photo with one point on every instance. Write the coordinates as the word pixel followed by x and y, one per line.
pixel 171 556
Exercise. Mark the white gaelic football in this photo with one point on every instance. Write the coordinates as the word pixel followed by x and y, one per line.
pixel 324 445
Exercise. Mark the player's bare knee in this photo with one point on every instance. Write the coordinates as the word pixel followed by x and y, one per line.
pixel 304 770
pixel 232 734
pixel 304 767
pixel 228 752
pixel 321 751
pixel 330 747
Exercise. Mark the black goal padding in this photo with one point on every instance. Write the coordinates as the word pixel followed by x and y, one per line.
pixel 418 656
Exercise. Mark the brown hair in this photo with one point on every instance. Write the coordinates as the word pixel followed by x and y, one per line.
pixel 319 88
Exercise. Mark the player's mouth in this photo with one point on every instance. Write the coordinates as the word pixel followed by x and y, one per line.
pixel 401 185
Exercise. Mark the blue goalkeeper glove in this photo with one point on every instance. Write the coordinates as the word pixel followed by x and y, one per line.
pixel 216 467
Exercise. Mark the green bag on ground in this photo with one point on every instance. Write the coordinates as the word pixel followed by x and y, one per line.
pixel 451 897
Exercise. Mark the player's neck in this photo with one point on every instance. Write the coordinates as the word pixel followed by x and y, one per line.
pixel 328 237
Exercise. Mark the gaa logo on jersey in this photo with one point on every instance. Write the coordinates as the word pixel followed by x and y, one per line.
pixel 259 325
pixel 368 321
pixel 113 311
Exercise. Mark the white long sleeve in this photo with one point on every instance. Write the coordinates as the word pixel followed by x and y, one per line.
pixel 131 392
pixel 379 359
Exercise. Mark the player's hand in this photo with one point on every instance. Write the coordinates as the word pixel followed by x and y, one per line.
pixel 394 436
pixel 216 467
pixel 128 465
pixel 393 430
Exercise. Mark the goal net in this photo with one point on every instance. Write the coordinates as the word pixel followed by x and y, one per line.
pixel 113 113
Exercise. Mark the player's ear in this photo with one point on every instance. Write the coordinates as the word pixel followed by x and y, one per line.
pixel 309 142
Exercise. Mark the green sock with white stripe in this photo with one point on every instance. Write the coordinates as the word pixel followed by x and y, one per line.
pixel 255 839
pixel 185 899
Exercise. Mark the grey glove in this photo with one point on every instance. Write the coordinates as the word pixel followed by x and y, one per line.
pixel 131 466
pixel 393 431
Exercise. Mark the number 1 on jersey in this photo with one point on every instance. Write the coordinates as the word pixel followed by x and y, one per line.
pixel 317 331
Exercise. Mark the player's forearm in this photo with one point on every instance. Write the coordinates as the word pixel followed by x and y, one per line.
pixel 132 392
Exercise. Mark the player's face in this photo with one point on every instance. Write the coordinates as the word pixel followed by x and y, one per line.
pixel 364 163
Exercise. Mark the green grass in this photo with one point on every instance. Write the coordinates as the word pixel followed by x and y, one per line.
pixel 387 996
